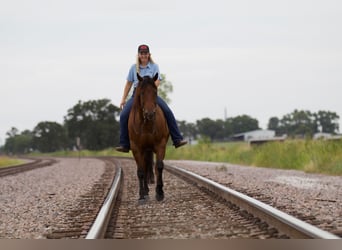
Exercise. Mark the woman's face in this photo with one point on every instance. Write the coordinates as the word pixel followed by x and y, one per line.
pixel 144 57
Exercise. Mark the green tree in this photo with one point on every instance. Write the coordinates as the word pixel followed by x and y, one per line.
pixel 228 128
pixel 327 121
pixel 304 123
pixel 165 88
pixel 298 123
pixel 186 129
pixel 18 143
pixel 49 137
pixel 210 128
pixel 273 124
pixel 12 132
pixel 94 122
pixel 243 123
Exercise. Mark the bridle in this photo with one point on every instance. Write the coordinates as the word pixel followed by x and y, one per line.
pixel 148 116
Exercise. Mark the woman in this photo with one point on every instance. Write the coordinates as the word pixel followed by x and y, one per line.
pixel 145 67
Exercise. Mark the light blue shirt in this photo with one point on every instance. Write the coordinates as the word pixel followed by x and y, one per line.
pixel 151 69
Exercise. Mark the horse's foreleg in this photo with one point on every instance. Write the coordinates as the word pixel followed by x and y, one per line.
pixel 146 178
pixel 149 166
pixel 159 187
pixel 141 178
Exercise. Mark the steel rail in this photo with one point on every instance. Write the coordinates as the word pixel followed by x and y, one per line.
pixel 285 223
pixel 36 163
pixel 98 229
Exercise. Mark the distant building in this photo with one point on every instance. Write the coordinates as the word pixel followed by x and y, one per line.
pixel 257 137
pixel 321 135
pixel 255 134
pixel 326 136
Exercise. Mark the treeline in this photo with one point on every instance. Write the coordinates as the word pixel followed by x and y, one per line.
pixel 94 125
pixel 303 123
pixel 298 124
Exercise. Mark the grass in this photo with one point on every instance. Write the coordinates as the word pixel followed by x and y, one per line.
pixel 7 161
pixel 306 155
pixel 309 156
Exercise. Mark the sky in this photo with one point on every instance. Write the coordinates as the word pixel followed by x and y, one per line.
pixel 261 58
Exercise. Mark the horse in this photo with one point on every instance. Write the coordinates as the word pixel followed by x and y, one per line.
pixel 148 133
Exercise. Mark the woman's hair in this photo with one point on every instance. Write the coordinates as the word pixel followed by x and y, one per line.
pixel 137 65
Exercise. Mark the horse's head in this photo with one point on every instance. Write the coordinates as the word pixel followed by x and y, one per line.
pixel 148 96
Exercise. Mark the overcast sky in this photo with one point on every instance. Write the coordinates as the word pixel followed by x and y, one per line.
pixel 262 58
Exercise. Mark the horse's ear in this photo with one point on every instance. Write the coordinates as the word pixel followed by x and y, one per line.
pixel 155 78
pixel 139 77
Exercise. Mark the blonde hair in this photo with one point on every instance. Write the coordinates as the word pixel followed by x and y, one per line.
pixel 137 65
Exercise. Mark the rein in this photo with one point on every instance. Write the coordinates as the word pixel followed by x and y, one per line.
pixel 145 118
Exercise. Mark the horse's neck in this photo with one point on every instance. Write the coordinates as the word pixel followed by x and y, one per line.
pixel 136 102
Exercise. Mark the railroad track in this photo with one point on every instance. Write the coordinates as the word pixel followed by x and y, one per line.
pixel 36 163
pixel 194 207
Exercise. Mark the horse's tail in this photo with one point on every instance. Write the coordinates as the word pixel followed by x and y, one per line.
pixel 148 157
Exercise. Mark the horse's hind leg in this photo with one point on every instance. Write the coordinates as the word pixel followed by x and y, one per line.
pixel 159 187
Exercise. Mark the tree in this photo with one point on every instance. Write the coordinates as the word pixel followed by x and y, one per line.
pixel 273 124
pixel 188 130
pixel 13 132
pixel 18 143
pixel 94 122
pixel 165 88
pixel 210 128
pixel 243 123
pixel 303 123
pixel 298 123
pixel 327 121
pixel 49 137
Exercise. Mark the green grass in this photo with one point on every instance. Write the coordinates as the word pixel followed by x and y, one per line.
pixel 219 152
pixel 7 161
pixel 306 155
pixel 309 156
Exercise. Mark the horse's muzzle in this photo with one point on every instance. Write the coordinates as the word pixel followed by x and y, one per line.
pixel 149 115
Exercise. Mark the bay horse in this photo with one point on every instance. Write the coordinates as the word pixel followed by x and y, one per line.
pixel 148 134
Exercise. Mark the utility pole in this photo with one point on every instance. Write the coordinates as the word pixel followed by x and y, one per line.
pixel 78 145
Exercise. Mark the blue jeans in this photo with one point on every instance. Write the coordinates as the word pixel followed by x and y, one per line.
pixel 170 119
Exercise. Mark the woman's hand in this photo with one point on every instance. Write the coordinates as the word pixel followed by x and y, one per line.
pixel 125 94
pixel 122 104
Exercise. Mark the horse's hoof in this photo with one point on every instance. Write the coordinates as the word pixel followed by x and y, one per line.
pixel 159 197
pixel 141 201
pixel 146 197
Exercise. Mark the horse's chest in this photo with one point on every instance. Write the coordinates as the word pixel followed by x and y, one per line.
pixel 148 137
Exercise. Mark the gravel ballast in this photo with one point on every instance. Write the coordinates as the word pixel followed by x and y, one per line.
pixel 314 198
pixel 32 202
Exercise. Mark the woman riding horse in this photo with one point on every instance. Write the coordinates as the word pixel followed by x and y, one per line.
pixel 145 67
